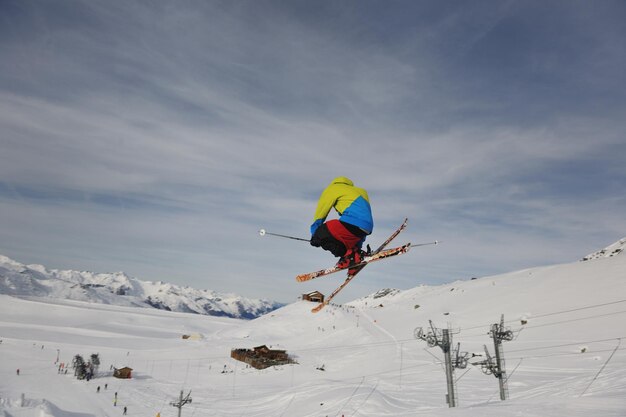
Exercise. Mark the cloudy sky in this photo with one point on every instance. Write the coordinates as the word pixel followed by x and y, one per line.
pixel 158 137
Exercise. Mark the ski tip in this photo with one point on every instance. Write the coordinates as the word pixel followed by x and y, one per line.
pixel 318 308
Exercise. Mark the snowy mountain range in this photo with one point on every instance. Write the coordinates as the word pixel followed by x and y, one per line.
pixel 17 279
pixel 117 288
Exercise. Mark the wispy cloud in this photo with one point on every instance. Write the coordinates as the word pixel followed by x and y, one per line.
pixel 158 139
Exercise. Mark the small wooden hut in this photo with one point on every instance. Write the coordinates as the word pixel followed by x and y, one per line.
pixel 314 296
pixel 123 373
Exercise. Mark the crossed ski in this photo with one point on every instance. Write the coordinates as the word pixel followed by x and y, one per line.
pixel 366 260
pixel 378 254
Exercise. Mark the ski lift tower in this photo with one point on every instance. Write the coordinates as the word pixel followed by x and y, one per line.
pixel 497 368
pixel 499 334
pixel 181 402
pixel 443 338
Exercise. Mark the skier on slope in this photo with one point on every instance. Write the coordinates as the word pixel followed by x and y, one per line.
pixel 343 237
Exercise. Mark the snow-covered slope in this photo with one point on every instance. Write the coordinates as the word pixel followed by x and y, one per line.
pixel 117 288
pixel 361 359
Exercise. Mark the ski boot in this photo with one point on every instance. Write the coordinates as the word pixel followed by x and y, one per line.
pixel 352 257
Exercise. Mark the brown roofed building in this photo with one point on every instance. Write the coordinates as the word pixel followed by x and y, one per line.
pixel 123 373
pixel 314 296
pixel 261 357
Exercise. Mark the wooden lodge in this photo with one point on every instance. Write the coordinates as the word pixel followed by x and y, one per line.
pixel 123 373
pixel 315 297
pixel 261 357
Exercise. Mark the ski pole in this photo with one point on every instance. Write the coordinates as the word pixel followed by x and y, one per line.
pixel 264 232
pixel 436 242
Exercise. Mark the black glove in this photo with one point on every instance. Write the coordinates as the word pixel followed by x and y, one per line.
pixel 316 241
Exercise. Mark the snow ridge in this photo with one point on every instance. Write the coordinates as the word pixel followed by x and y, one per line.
pixel 611 250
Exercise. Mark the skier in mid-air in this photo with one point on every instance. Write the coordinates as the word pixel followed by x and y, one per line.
pixel 343 237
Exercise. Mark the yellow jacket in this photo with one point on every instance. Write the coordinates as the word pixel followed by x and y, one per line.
pixel 352 204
